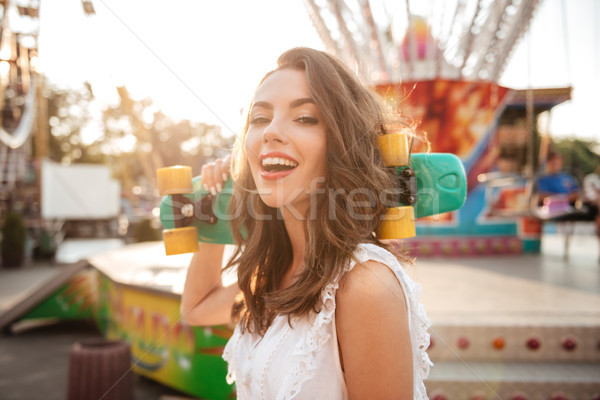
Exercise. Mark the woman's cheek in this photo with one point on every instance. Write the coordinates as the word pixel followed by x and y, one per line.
pixel 253 162
pixel 251 147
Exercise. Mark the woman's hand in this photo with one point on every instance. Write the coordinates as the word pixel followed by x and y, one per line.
pixel 214 174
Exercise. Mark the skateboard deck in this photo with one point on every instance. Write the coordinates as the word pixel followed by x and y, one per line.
pixel 439 186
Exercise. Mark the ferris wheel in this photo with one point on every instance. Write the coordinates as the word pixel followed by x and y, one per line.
pixel 392 41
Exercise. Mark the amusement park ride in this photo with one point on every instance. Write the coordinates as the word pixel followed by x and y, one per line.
pixel 437 62
pixel 18 91
pixel 408 41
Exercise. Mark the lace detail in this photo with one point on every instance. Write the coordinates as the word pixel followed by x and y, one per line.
pixel 304 360
pixel 269 359
pixel 229 352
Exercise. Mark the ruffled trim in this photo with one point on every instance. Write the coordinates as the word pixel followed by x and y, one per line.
pixel 228 356
pixel 419 332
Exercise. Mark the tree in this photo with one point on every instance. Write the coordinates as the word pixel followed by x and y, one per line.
pixel 581 156
pixel 144 139
pixel 69 113
pixel 133 137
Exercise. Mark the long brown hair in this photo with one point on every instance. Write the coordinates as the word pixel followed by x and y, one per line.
pixel 355 175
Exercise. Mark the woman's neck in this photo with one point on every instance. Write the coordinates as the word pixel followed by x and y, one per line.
pixel 296 232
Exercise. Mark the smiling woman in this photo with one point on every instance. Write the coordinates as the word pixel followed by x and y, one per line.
pixel 315 286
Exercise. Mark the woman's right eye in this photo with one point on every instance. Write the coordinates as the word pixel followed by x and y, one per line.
pixel 259 120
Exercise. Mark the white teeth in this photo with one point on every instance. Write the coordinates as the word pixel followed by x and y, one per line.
pixel 278 161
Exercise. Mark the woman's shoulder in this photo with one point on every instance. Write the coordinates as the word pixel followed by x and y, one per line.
pixel 369 251
pixel 370 283
pixel 374 276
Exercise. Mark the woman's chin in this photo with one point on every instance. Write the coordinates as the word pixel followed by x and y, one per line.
pixel 297 209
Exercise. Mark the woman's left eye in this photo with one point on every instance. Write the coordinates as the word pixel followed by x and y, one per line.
pixel 307 120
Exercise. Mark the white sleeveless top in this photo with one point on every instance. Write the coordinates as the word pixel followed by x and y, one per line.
pixel 302 361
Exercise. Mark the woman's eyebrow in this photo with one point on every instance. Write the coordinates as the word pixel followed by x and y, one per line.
pixel 263 104
pixel 293 104
pixel 301 101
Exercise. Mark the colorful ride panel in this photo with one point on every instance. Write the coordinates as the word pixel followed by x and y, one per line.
pixel 462 117
pixel 163 346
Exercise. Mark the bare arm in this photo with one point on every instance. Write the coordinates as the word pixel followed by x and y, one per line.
pixel 205 301
pixel 373 334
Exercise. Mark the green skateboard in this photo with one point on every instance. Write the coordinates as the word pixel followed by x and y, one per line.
pixel 432 184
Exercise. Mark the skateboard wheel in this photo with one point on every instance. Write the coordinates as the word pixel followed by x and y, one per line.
pixel 394 148
pixel 398 223
pixel 180 240
pixel 174 180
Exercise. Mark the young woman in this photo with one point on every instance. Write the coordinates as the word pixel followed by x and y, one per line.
pixel 322 310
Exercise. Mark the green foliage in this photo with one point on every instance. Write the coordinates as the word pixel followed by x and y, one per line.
pixel 14 236
pixel 69 112
pixel 581 156
pixel 157 139
pixel 134 137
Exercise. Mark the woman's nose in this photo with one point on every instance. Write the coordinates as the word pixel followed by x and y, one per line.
pixel 274 133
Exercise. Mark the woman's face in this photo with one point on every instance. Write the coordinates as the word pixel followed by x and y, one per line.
pixel 286 142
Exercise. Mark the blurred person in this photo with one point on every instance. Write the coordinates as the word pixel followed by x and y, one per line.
pixel 557 185
pixel 558 182
pixel 591 196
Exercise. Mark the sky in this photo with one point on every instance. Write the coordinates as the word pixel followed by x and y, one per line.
pixel 202 59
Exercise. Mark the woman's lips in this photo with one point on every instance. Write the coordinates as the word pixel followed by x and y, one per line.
pixel 271 176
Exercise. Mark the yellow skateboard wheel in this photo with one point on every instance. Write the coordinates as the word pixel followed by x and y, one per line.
pixel 174 180
pixel 398 223
pixel 180 240
pixel 394 148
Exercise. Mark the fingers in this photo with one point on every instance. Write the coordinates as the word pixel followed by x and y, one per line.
pixel 214 174
pixel 217 177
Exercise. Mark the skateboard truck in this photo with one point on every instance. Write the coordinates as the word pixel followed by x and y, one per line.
pixel 407 185
pixel 189 213
pixel 206 209
pixel 184 210
pixel 398 222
